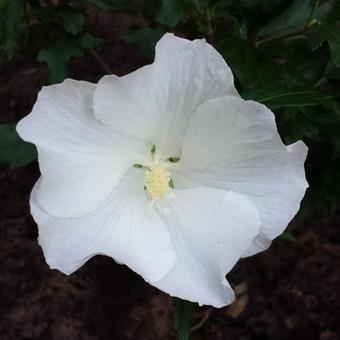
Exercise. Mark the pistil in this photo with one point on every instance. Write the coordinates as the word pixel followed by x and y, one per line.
pixel 156 181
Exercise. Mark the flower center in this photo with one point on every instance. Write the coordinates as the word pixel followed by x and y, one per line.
pixel 157 180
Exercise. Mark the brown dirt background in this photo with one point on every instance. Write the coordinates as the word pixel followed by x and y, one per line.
pixel 290 291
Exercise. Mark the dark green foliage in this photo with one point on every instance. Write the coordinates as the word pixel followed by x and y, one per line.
pixel 145 39
pixel 14 26
pixel 73 20
pixel 14 152
pixel 277 96
pixel 333 35
pixel 54 32
pixel 57 54
pixel 296 16
pixel 183 317
pixel 173 12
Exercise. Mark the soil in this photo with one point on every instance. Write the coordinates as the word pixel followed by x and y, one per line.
pixel 290 291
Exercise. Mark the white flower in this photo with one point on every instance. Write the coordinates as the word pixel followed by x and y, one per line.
pixel 166 170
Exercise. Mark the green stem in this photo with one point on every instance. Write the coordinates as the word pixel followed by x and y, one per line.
pixel 290 34
pixel 210 31
pixel 100 61
pixel 316 4
pixel 183 317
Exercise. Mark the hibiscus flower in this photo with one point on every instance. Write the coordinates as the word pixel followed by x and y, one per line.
pixel 167 170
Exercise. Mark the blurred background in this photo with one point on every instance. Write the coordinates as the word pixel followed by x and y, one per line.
pixel 284 54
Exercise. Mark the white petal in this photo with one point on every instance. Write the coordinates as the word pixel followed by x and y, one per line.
pixel 121 227
pixel 210 230
pixel 156 102
pixel 233 144
pixel 80 159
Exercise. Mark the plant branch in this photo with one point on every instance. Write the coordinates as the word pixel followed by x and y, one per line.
pixel 142 20
pixel 210 30
pixel 101 62
pixel 298 31
pixel 290 34
pixel 200 324
pixel 316 4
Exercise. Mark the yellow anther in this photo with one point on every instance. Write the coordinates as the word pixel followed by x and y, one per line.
pixel 156 181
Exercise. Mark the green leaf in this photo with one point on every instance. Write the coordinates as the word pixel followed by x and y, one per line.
pixel 295 17
pixel 14 26
pixel 334 44
pixel 308 70
pixel 57 54
pixel 145 39
pixel 183 317
pixel 277 96
pixel 317 35
pixel 242 58
pixel 298 124
pixel 201 6
pixel 73 20
pixel 173 12
pixel 286 236
pixel 88 40
pixel 13 150
pixel 222 4
pixel 332 71
pixel 292 18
